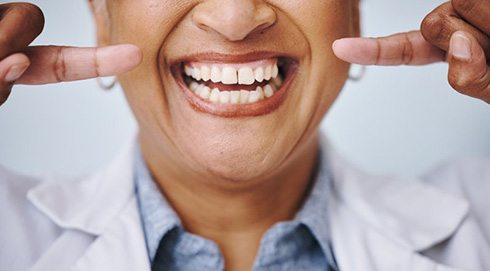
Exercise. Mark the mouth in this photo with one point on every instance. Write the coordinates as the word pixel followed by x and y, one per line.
pixel 235 86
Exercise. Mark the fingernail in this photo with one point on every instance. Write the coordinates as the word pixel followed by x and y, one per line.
pixel 460 47
pixel 15 72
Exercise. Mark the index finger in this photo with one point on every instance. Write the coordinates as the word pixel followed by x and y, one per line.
pixel 52 64
pixel 408 48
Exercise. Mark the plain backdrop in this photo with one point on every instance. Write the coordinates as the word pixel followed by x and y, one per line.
pixel 397 120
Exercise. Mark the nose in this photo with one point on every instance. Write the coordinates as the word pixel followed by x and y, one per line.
pixel 234 19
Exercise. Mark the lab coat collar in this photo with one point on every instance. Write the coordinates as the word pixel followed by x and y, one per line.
pixel 408 211
pixel 91 203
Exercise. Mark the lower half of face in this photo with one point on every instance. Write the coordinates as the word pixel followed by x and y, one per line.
pixel 231 89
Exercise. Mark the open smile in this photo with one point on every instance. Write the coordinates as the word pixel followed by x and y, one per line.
pixel 235 86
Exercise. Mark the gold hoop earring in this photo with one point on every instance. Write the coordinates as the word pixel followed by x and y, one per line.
pixel 359 74
pixel 106 83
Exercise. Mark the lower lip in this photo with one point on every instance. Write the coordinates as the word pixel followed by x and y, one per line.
pixel 260 108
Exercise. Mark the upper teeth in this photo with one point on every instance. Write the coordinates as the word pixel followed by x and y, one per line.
pixel 230 75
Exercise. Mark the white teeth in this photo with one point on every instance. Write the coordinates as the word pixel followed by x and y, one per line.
pixel 261 92
pixel 197 89
pixel 215 74
pixel 193 86
pixel 244 96
pixel 214 97
pixel 204 93
pixel 196 73
pixel 246 76
pixel 224 97
pixel 229 76
pixel 259 74
pixel 188 71
pixel 234 97
pixel 268 73
pixel 205 73
pixel 268 91
pixel 275 71
pixel 277 81
pixel 254 97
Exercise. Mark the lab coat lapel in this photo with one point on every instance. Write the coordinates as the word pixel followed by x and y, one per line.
pixel 358 246
pixel 383 223
pixel 66 250
pixel 120 247
pixel 100 218
pixel 90 203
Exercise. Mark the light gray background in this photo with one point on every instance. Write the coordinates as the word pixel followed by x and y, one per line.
pixel 396 121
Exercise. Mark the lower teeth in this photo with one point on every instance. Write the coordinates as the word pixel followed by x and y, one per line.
pixel 216 95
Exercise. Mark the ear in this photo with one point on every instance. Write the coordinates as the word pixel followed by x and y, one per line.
pixel 101 19
pixel 356 18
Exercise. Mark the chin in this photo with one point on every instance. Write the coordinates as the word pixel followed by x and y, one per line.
pixel 223 160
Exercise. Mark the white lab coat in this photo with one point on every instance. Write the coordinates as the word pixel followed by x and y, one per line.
pixel 378 223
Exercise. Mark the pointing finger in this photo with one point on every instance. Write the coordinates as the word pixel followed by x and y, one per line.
pixel 468 70
pixel 408 48
pixel 52 64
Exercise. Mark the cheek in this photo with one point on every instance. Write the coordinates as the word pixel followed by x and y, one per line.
pixel 128 20
pixel 322 22
pixel 321 18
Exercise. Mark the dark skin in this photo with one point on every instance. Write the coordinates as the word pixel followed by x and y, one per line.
pixel 21 23
pixel 443 31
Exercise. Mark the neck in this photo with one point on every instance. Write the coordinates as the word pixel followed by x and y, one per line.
pixel 232 214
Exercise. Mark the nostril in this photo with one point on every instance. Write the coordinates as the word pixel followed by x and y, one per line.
pixel 266 17
pixel 234 21
pixel 261 28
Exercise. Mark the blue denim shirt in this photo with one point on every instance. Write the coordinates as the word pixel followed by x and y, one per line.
pixel 300 244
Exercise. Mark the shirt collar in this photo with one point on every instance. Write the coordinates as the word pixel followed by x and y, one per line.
pixel 157 215
pixel 159 218
pixel 314 213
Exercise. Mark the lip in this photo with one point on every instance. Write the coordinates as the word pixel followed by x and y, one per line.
pixel 262 107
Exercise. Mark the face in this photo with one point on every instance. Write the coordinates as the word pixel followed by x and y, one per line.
pixel 230 89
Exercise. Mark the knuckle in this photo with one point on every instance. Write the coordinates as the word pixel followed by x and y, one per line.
pixel 408 52
pixel 464 6
pixel 32 13
pixel 460 85
pixel 468 85
pixel 59 68
pixel 435 26
pixel 458 82
pixel 25 22
pixel 28 8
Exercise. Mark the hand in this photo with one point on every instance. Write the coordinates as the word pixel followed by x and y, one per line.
pixel 457 31
pixel 21 23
